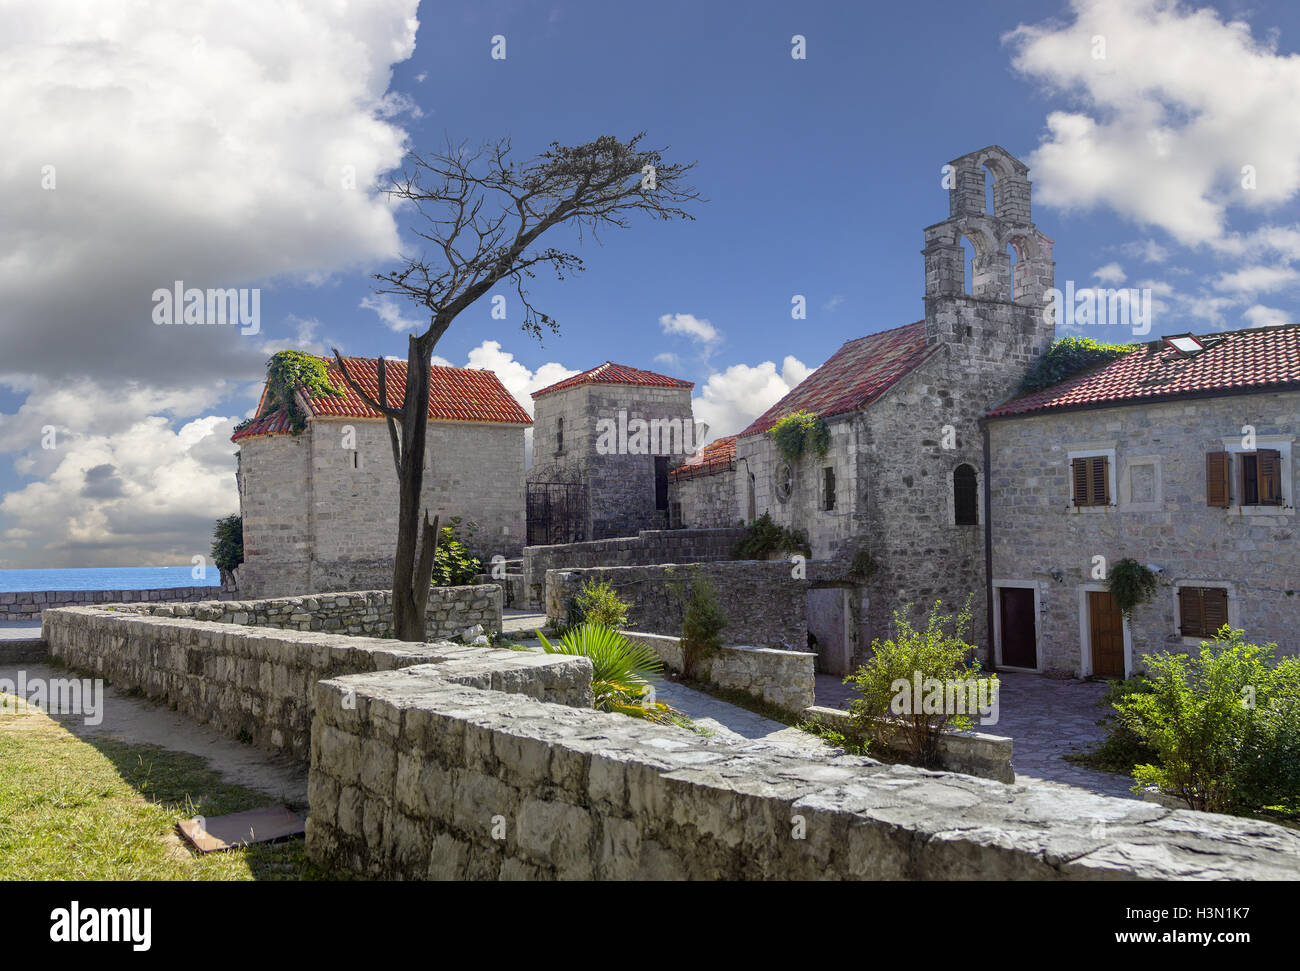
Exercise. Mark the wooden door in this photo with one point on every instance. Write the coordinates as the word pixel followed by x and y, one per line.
pixel 1106 634
pixel 1019 628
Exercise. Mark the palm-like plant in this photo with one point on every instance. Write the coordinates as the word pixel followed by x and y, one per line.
pixel 623 673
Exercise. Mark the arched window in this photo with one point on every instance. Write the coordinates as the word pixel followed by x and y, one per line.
pixel 965 496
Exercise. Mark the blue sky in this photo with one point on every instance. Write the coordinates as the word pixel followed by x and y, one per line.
pixel 210 139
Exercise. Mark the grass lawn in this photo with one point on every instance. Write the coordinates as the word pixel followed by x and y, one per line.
pixel 97 809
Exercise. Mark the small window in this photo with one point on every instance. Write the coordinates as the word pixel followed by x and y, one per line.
pixel 559 435
pixel 965 496
pixel 354 458
pixel 1091 481
pixel 1201 610
pixel 783 482
pixel 661 482
pixel 1261 478
pixel 828 488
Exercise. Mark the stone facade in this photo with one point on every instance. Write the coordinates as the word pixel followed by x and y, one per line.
pixel 360 612
pixel 320 517
pixel 1158 516
pixel 621 492
pixel 414 778
pixel 706 501
pixel 894 460
pixel 255 683
pixel 646 547
pixel 28 604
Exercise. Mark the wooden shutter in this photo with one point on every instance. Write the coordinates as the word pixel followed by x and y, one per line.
pixel 1214 607
pixel 1216 479
pixel 1081 482
pixel 1100 481
pixel 1269 476
pixel 1189 611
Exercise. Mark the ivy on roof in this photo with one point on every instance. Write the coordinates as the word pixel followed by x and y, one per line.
pixel 291 371
pixel 1067 357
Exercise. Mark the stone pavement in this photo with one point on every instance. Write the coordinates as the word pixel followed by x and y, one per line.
pixel 514 620
pixel 1046 718
pixel 732 723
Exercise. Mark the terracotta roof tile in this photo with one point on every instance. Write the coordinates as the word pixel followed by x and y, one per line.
pixel 714 457
pixel 854 376
pixel 1237 360
pixel 611 373
pixel 275 423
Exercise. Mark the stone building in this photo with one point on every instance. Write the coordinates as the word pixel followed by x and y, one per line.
pixel 701 491
pixel 1178 455
pixel 901 481
pixel 320 507
pixel 604 442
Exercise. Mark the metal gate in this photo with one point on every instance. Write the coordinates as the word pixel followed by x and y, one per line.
pixel 556 513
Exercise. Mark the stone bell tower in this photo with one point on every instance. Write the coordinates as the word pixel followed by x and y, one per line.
pixel 1005 309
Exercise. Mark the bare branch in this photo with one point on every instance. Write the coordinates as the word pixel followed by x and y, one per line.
pixel 384 409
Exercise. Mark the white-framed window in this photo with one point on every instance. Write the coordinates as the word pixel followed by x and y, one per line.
pixel 1205 614
pixel 1090 477
pixel 1238 454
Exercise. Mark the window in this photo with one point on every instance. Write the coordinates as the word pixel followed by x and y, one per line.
pixel 1201 610
pixel 661 481
pixel 559 435
pixel 828 488
pixel 1259 478
pixel 1091 478
pixel 783 481
pixel 965 496
pixel 353 458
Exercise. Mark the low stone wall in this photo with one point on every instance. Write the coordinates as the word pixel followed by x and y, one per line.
pixel 782 678
pixel 415 778
pixel 972 753
pixel 255 683
pixel 28 605
pixel 646 547
pixel 763 604
pixel 364 612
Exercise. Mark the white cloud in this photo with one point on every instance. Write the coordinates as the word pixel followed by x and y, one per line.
pixel 1258 279
pixel 1148 250
pixel 1261 316
pixel 834 303
pixel 733 398
pixel 1111 273
pixel 696 328
pixel 391 313
pixel 1164 124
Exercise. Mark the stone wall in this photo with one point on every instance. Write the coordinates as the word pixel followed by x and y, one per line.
pixel 764 605
pixel 708 500
pixel 320 517
pixel 1159 516
pixel 367 612
pixel 28 604
pixel 255 683
pixel 415 778
pixel 646 547
pixel 781 678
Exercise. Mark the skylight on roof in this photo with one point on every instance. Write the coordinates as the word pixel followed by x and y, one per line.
pixel 1185 344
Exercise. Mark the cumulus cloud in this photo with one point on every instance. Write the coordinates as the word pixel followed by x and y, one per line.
pixel 688 325
pixel 1185 116
pixel 390 312
pixel 733 398
pixel 1261 316
pixel 1258 279
pixel 1111 273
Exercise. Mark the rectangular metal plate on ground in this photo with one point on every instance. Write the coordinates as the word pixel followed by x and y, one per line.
pixel 212 833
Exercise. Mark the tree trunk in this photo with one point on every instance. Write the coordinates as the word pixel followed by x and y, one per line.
pixel 417 538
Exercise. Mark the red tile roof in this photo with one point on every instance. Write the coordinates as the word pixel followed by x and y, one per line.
pixel 714 457
pixel 1261 357
pixel 455 394
pixel 854 376
pixel 611 373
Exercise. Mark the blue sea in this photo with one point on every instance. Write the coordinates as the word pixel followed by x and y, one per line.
pixel 108 578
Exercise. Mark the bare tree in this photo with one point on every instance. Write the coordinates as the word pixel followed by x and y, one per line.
pixel 483 215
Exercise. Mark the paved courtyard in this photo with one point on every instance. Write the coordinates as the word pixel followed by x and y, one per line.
pixel 1046 718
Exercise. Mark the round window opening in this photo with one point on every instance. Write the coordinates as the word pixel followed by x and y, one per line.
pixel 784 478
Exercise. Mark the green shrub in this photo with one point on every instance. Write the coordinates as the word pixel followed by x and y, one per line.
pixel 1131 584
pixel 601 604
pixel 703 621
pixel 453 563
pixel 935 654
pixel 228 543
pixel 1122 748
pixel 623 673
pixel 1224 725
pixel 765 536
pixel 1067 357
pixel 799 434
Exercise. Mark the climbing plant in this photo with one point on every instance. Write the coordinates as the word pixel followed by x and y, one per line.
pixel 800 433
pixel 1068 356
pixel 291 371
pixel 1131 584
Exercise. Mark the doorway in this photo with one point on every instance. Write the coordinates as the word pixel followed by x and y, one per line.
pixel 1019 627
pixel 828 627
pixel 1105 634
